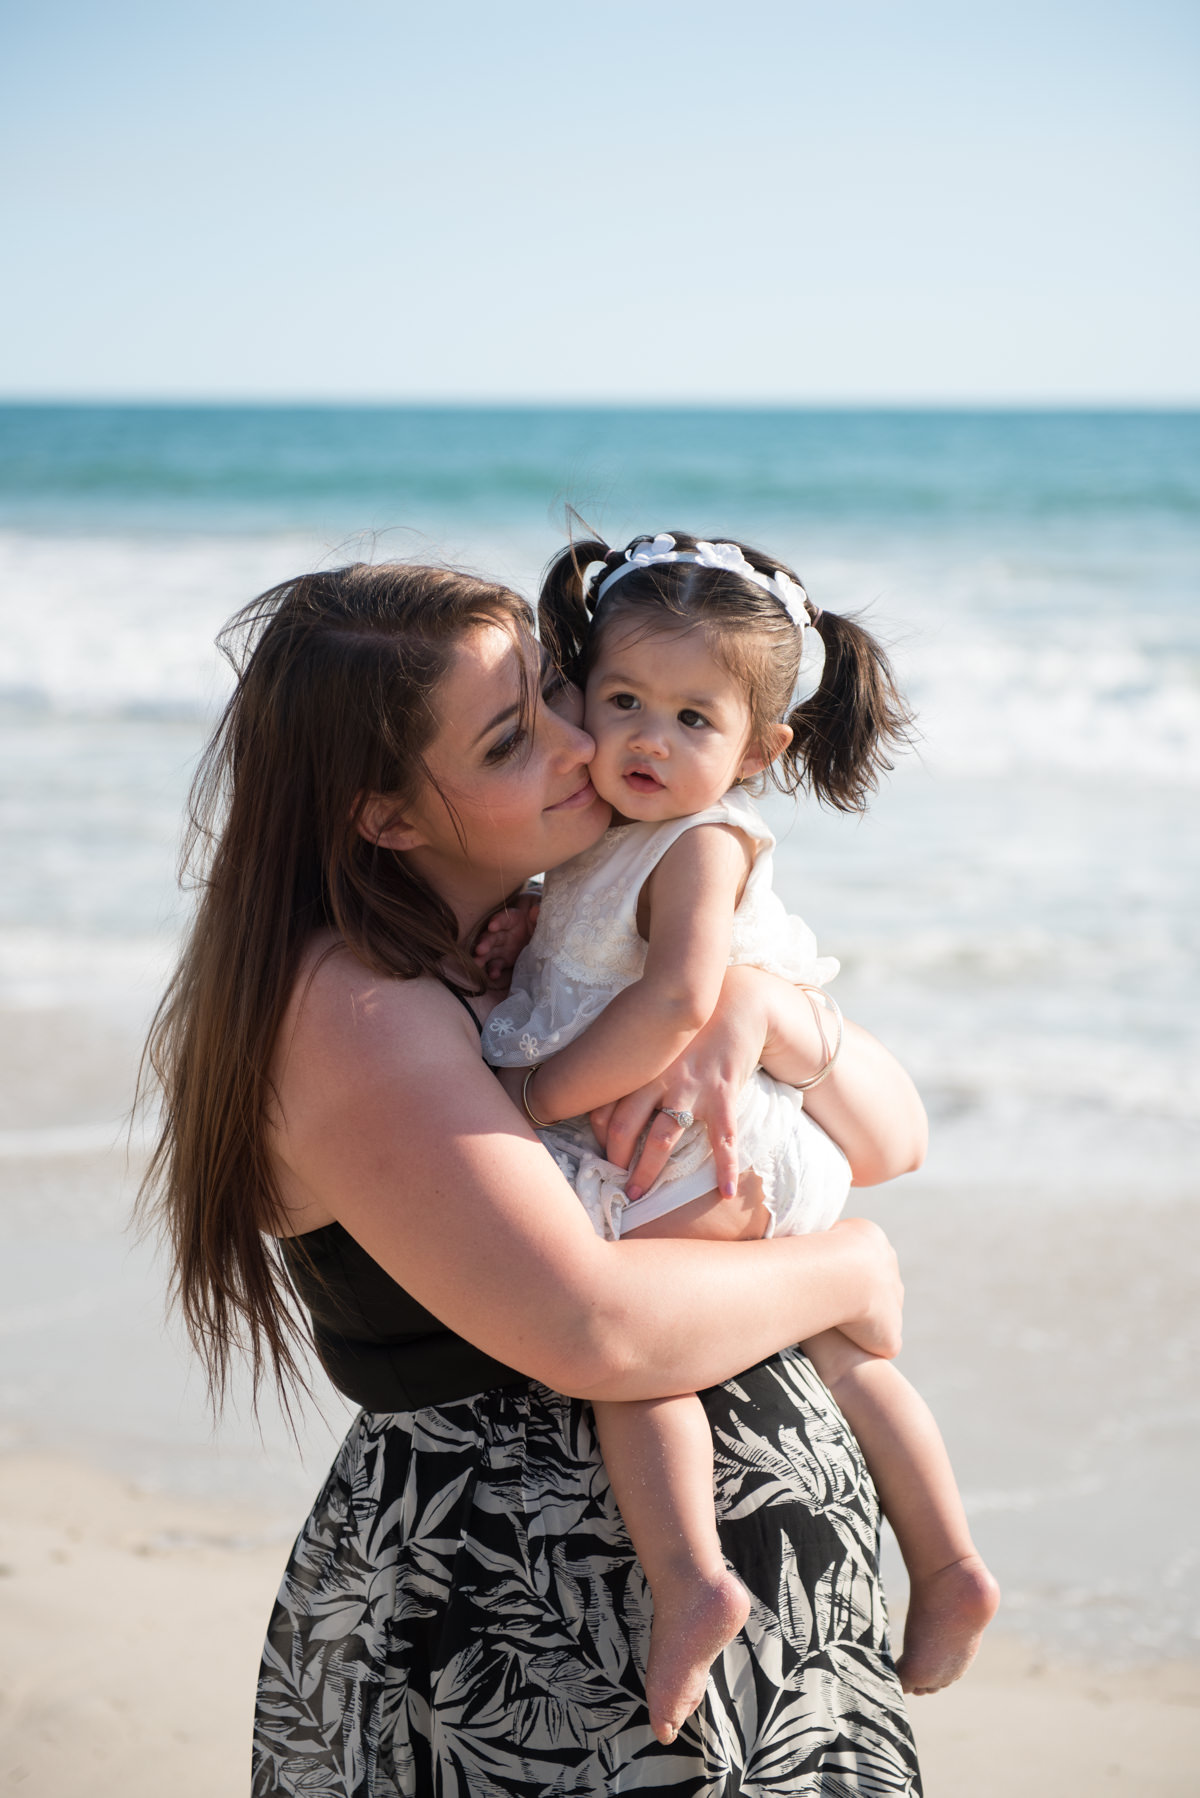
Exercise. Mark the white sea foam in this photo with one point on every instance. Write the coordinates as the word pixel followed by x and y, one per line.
pixel 110 624
pixel 50 970
pixel 127 624
pixel 993 705
pixel 974 952
pixel 57 1142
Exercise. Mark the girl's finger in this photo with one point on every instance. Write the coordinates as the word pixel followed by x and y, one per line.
pixel 489 936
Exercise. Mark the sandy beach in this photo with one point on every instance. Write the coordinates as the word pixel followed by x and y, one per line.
pixel 132 1625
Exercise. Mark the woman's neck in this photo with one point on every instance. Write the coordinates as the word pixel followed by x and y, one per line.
pixel 472 894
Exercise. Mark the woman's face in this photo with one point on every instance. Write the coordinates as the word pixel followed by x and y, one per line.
pixel 518 790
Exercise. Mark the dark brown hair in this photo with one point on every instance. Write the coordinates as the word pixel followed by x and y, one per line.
pixel 335 700
pixel 841 738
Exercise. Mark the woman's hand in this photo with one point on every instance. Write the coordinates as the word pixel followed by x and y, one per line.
pixel 867 1104
pixel 706 1079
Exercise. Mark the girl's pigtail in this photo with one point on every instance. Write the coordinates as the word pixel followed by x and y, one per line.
pixel 843 736
pixel 563 618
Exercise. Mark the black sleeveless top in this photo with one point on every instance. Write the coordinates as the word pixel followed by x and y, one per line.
pixel 377 1344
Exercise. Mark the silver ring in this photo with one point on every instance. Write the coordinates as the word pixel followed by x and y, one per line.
pixel 684 1119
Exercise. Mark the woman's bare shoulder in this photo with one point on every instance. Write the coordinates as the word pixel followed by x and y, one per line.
pixel 340 1006
pixel 354 1047
pixel 349 1029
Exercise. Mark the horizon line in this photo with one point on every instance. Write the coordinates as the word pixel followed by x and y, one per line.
pixel 326 402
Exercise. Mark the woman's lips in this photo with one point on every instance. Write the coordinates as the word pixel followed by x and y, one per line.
pixel 575 801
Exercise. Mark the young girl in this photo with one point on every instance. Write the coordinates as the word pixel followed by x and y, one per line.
pixel 704 667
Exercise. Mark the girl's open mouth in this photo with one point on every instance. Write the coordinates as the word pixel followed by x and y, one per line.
pixel 641 782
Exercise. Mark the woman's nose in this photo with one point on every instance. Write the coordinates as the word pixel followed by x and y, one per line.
pixel 572 746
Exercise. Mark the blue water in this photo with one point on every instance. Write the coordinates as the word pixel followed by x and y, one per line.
pixel 283 469
pixel 1017 916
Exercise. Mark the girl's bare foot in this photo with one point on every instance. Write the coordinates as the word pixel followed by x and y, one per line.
pixel 693 1621
pixel 948 1612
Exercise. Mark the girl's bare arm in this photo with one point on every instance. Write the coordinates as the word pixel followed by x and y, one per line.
pixel 390 1123
pixel 690 901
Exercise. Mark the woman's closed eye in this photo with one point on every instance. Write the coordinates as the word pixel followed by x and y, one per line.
pixel 555 688
pixel 507 747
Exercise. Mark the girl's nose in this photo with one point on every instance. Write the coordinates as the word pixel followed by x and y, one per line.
pixel 648 738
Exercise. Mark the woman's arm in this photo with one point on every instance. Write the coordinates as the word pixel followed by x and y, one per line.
pixel 690 900
pixel 867 1102
pixel 389 1122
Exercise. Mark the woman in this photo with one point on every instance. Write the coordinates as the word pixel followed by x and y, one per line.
pixel 462 1613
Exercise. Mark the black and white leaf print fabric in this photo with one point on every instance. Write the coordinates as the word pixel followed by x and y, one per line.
pixel 463 1615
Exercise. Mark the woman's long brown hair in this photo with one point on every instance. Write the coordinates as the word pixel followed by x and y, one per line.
pixel 337 675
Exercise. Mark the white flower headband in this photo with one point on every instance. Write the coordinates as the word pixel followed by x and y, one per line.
pixel 780 586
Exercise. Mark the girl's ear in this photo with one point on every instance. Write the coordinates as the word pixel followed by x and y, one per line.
pixel 776 739
pixel 381 823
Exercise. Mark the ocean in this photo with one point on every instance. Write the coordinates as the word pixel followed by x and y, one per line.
pixel 1016 916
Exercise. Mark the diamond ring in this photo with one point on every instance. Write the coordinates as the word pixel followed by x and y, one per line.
pixel 684 1119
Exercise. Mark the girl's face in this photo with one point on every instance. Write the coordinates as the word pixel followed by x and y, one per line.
pixel 671 725
pixel 507 798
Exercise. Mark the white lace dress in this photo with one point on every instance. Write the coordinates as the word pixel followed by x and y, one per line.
pixel 586 949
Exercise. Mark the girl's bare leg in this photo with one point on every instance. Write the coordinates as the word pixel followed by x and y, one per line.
pixel 659 1456
pixel 952 1596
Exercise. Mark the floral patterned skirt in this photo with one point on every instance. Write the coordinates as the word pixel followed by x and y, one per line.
pixel 463 1615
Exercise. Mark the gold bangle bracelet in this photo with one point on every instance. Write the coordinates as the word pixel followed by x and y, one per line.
pixel 826 1067
pixel 535 1121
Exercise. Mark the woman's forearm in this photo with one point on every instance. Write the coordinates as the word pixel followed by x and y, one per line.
pixel 867 1103
pixel 669 1316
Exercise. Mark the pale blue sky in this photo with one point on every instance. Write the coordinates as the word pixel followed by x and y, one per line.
pixel 940 202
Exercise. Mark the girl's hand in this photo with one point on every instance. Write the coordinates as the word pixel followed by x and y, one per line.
pixel 504 936
pixel 706 1079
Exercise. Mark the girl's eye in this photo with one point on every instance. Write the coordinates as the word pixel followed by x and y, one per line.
pixel 625 701
pixel 693 720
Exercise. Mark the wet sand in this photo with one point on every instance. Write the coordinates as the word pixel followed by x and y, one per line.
pixel 133 1623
